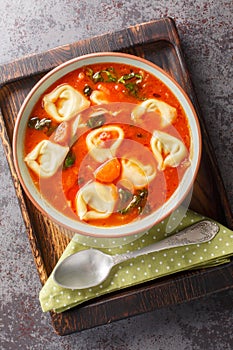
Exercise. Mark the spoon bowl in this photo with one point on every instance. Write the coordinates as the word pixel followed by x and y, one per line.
pixel 90 267
pixel 84 269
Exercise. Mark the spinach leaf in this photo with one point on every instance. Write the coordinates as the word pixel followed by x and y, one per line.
pixel 138 201
pixel 69 160
pixel 104 75
pixel 131 81
pixel 124 78
pixel 38 124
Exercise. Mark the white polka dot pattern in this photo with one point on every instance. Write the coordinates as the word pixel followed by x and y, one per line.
pixel 144 268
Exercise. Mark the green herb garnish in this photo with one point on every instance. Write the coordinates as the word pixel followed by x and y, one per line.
pixel 89 72
pixel 69 160
pixel 137 201
pixel 39 124
pixel 104 75
pixel 131 82
pixel 131 75
pixel 97 77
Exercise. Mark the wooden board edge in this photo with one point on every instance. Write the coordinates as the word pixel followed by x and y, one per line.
pixel 43 62
pixel 19 193
pixel 145 299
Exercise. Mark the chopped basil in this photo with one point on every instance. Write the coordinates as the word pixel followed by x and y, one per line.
pixel 89 72
pixel 97 77
pixel 110 76
pixel 132 88
pixel 131 82
pixel 38 124
pixel 137 201
pixel 69 160
pixel 104 75
pixel 129 76
pixel 125 77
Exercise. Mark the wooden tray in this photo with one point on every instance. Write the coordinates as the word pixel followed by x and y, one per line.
pixel 158 42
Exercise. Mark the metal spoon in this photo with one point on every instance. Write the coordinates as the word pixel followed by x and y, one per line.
pixel 90 267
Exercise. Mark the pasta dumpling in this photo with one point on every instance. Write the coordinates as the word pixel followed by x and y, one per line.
pixel 64 102
pixel 168 150
pixel 98 97
pixel 46 158
pixel 166 112
pixel 103 142
pixel 137 173
pixel 95 201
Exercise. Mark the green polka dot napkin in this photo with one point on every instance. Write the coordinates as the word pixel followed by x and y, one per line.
pixel 146 267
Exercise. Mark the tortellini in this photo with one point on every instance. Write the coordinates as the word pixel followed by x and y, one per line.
pixel 168 150
pixel 98 97
pixel 137 173
pixel 96 201
pixel 167 112
pixel 46 158
pixel 64 102
pixel 103 142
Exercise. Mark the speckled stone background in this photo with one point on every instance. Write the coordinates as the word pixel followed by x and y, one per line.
pixel 205 28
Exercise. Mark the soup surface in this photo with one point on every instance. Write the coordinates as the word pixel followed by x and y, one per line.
pixel 107 144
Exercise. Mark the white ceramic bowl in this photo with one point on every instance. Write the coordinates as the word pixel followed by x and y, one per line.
pixel 76 226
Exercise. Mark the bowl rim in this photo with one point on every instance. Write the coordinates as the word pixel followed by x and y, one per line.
pixel 90 230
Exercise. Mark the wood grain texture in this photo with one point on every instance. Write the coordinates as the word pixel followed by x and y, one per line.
pixel 147 297
pixel 157 41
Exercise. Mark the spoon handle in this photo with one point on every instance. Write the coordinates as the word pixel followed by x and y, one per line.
pixel 200 232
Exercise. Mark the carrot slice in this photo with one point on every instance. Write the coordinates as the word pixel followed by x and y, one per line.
pixel 109 171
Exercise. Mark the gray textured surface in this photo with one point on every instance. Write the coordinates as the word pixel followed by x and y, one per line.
pixel 205 28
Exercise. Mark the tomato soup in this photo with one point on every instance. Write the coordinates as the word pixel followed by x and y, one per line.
pixel 107 144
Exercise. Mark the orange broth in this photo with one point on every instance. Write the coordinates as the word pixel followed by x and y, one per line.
pixel 68 181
